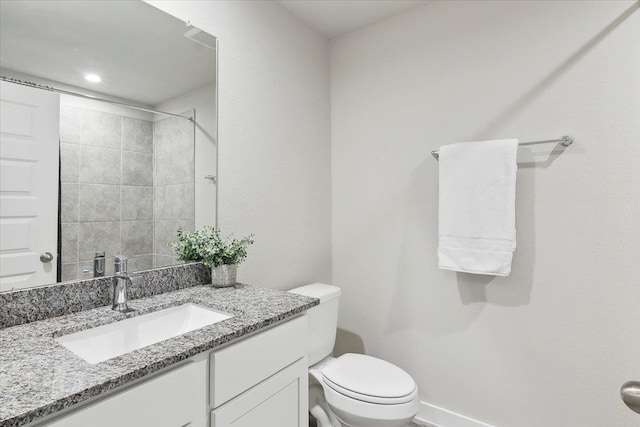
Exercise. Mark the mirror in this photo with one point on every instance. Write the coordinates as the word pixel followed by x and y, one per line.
pixel 109 129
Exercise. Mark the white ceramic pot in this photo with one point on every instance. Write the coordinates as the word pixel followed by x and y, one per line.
pixel 223 276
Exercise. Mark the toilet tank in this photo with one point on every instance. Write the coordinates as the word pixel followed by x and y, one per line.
pixel 322 319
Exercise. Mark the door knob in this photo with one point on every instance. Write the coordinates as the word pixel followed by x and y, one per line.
pixel 46 257
pixel 630 393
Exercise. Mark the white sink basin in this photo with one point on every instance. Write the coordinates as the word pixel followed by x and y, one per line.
pixel 104 342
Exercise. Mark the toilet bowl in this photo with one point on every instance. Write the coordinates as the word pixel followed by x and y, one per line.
pixel 353 390
pixel 365 391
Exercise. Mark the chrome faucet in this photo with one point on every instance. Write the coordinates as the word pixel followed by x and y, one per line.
pixel 98 264
pixel 121 280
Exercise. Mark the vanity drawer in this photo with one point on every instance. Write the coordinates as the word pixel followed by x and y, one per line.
pixel 172 399
pixel 241 366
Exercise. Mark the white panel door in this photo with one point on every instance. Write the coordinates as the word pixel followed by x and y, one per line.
pixel 29 163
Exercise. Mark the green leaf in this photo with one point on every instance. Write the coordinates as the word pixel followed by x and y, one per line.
pixel 207 246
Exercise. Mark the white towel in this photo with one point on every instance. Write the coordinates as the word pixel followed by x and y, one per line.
pixel 477 217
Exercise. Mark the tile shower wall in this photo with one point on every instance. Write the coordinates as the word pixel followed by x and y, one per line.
pixel 107 189
pixel 174 184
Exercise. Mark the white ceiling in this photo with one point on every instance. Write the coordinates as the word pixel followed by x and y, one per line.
pixel 139 51
pixel 334 18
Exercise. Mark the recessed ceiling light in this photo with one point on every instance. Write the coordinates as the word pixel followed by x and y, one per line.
pixel 93 78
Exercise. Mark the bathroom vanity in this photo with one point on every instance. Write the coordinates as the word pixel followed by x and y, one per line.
pixel 262 379
pixel 246 370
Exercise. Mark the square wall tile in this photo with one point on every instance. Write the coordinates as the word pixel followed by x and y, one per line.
pixel 164 172
pixel 69 243
pixel 69 272
pixel 137 203
pixel 69 162
pixel 162 206
pixel 165 261
pixel 185 169
pixel 85 268
pixel 101 129
pixel 141 262
pixel 174 167
pixel 173 133
pixel 99 165
pixel 99 203
pixel 165 232
pixel 98 237
pixel 137 135
pixel 137 169
pixel 137 237
pixel 185 202
pixel 69 198
pixel 175 202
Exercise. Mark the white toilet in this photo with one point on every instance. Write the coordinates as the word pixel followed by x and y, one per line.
pixel 352 390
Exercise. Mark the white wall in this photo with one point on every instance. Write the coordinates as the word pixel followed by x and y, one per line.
pixel 551 344
pixel 274 154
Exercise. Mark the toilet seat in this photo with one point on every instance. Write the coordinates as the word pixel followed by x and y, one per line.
pixel 371 399
pixel 369 380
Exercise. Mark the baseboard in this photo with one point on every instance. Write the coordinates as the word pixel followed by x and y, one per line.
pixel 434 416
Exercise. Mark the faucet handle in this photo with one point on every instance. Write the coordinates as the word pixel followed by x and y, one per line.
pixel 120 263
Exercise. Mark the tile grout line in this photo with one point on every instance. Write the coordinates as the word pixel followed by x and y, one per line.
pixel 153 190
pixel 121 163
pixel 77 275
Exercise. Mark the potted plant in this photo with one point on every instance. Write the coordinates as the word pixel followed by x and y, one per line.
pixel 206 246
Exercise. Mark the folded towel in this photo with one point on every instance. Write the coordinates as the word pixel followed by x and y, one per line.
pixel 477 230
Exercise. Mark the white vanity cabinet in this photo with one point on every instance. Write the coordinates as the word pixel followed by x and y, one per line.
pixel 260 381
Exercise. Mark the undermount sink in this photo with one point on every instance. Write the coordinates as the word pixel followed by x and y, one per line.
pixel 104 342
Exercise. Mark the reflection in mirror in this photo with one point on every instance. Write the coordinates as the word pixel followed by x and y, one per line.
pixel 108 127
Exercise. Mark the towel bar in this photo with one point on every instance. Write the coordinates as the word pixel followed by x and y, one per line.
pixel 565 141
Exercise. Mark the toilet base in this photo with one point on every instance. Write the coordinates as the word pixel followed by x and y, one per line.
pixel 323 421
pixel 368 422
pixel 350 413
pixel 319 408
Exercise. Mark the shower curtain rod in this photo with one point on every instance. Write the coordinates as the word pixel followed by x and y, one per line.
pixel 81 95
pixel 565 141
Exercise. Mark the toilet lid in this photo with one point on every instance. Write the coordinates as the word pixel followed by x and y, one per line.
pixel 369 379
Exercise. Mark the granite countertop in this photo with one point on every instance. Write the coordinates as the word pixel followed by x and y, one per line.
pixel 38 376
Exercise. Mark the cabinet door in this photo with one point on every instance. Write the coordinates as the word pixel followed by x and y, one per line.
pixel 172 399
pixel 281 400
